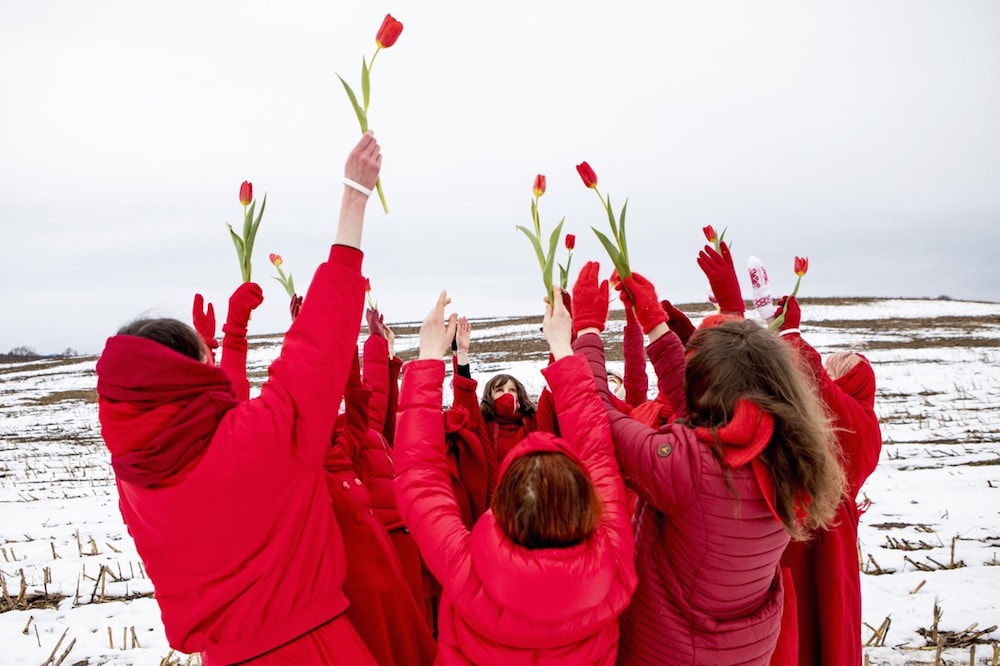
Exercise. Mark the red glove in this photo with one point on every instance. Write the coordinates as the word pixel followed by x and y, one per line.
pixel 376 325
pixel 590 299
pixel 204 322
pixel 243 301
pixel 721 276
pixel 642 295
pixel 294 306
pixel 678 322
pixel 790 314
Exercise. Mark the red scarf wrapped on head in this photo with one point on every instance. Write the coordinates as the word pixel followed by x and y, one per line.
pixel 158 409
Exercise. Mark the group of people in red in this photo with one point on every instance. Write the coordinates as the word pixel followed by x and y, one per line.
pixel 340 517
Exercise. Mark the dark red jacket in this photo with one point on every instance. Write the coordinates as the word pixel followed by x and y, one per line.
pixel 243 548
pixel 504 604
pixel 707 545
pixel 825 570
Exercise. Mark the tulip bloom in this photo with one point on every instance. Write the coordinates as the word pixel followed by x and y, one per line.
pixel 246 193
pixel 389 32
pixel 587 174
pixel 570 241
pixel 286 280
pixel 709 232
pixel 539 186
pixel 801 265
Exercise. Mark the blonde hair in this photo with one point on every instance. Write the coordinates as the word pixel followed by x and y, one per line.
pixel 840 363
pixel 739 359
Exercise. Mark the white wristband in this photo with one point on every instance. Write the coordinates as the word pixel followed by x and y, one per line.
pixel 357 186
pixel 788 331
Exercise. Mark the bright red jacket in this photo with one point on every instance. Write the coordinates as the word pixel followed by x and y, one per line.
pixel 504 604
pixel 825 570
pixel 710 588
pixel 243 549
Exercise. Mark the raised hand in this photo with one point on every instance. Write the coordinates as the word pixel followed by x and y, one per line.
pixel 790 314
pixel 590 299
pixel 376 322
pixel 436 334
pixel 294 305
pixel 244 300
pixel 204 322
pixel 641 293
pixel 721 274
pixel 678 322
pixel 558 325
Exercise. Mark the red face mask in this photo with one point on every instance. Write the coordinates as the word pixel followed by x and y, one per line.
pixel 506 405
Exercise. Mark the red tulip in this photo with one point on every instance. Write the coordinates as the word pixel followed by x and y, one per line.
pixel 539 186
pixel 801 265
pixel 275 258
pixel 246 193
pixel 368 285
pixel 389 32
pixel 709 232
pixel 570 241
pixel 587 174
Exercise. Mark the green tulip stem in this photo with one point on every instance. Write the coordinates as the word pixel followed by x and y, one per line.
pixel 381 195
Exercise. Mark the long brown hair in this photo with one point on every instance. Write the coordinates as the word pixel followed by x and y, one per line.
pixel 740 359
pixel 486 404
pixel 169 332
pixel 545 500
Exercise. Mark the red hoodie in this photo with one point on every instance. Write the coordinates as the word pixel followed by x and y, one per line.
pixel 240 542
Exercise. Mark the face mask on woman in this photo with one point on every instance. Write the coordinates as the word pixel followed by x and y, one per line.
pixel 506 405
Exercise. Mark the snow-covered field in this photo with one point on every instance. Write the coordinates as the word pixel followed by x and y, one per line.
pixel 75 592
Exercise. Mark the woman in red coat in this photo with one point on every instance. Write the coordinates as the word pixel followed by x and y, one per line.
pixel 227 500
pixel 543 575
pixel 825 571
pixel 720 495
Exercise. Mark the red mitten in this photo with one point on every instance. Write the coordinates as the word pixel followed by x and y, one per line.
pixel 204 322
pixel 678 322
pixel 590 299
pixel 721 276
pixel 789 314
pixel 376 325
pixel 294 306
pixel 648 309
pixel 243 301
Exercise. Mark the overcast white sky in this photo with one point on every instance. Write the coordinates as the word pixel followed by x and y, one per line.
pixel 864 135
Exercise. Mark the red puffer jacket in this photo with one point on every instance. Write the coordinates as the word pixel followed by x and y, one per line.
pixel 503 604
pixel 825 569
pixel 243 549
pixel 707 542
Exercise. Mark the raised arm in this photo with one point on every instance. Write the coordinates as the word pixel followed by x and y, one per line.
pixel 244 300
pixel 310 374
pixel 423 481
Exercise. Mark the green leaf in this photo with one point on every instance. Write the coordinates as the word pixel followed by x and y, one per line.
pixel 535 244
pixel 621 234
pixel 362 116
pixel 248 218
pixel 550 259
pixel 616 257
pixel 611 218
pixel 365 83
pixel 237 241
pixel 563 276
pixel 252 234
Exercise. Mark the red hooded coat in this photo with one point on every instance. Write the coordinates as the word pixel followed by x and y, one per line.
pixel 240 542
pixel 504 604
pixel 825 570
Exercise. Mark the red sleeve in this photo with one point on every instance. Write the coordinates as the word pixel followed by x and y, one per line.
pixel 355 432
pixel 376 375
pixel 298 402
pixel 663 466
pixel 423 484
pixel 636 380
pixel 667 355
pixel 234 360
pixel 395 365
